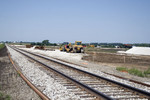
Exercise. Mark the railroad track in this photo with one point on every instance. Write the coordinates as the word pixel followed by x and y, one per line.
pixel 81 82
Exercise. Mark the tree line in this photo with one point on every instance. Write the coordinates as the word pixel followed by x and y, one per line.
pixel 105 45
pixel 121 45
pixel 44 43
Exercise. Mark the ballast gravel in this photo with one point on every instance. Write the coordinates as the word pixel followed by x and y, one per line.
pixel 51 88
pixel 90 67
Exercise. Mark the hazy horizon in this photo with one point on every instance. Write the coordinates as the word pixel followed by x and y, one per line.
pixel 76 40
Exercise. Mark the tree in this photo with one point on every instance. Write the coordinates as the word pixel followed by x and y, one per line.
pixel 38 43
pixel 33 43
pixel 45 42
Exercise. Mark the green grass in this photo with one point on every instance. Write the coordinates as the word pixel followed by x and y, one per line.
pixel 134 71
pixel 147 72
pixel 1 95
pixel 2 46
pixel 4 97
pixel 7 97
pixel 121 69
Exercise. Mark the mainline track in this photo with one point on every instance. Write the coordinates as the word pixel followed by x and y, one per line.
pixel 100 87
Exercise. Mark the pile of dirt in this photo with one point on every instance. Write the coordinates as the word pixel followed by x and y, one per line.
pixel 11 83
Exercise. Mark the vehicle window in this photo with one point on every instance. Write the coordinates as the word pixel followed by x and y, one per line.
pixel 78 43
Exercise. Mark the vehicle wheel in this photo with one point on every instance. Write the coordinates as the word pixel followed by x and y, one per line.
pixel 74 51
pixel 64 49
pixel 82 51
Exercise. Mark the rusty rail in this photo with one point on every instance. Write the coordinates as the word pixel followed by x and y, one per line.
pixel 41 95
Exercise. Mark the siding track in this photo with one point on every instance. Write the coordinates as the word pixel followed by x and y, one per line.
pixel 86 84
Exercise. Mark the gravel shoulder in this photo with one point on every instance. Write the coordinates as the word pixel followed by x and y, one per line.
pixel 89 65
pixel 41 79
pixel 11 83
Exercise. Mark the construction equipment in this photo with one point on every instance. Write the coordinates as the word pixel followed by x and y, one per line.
pixel 40 47
pixel 76 48
pixel 92 46
pixel 66 46
pixel 29 46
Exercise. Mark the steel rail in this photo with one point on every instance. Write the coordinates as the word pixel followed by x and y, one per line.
pixel 131 80
pixel 143 92
pixel 99 94
pixel 41 95
pixel 148 85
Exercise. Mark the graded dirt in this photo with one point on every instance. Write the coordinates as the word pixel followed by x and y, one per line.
pixel 118 60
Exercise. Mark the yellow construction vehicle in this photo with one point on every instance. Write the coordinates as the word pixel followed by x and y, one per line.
pixel 66 47
pixel 92 46
pixel 76 48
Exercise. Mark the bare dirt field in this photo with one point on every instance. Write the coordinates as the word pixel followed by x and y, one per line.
pixel 118 60
pixel 12 87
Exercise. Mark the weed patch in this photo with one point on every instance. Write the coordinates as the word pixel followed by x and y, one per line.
pixel 121 69
pixel 4 97
pixel 2 46
pixel 134 71
pixel 7 97
pixel 147 72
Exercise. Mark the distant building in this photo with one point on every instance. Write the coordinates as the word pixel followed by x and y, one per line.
pixel 117 46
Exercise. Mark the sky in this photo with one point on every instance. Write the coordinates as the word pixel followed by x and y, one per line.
pixel 103 21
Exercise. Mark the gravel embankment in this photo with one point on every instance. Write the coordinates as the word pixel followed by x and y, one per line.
pixel 94 68
pixel 11 83
pixel 39 78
